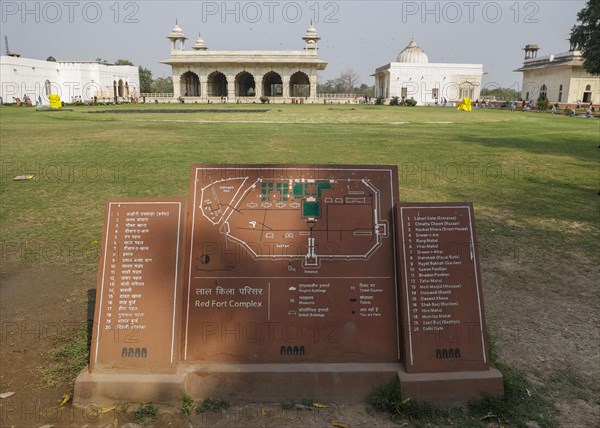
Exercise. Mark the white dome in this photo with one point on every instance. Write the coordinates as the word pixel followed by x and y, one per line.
pixel 311 34
pixel 176 32
pixel 311 38
pixel 200 45
pixel 311 31
pixel 412 53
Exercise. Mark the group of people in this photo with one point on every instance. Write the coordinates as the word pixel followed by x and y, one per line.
pixel 589 112
pixel 572 111
pixel 482 104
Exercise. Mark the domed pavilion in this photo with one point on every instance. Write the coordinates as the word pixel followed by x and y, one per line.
pixel 413 76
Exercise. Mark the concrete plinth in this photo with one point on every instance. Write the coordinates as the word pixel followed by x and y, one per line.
pixel 272 383
pixel 243 383
pixel 239 383
pixel 109 388
pixel 455 388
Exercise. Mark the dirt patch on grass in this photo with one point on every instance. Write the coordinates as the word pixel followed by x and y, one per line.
pixel 544 312
pixel 38 307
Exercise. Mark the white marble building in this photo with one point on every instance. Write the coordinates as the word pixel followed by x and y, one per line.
pixel 71 80
pixel 561 77
pixel 412 75
pixel 201 74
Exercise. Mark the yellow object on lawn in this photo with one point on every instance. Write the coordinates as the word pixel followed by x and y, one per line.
pixel 55 101
pixel 465 105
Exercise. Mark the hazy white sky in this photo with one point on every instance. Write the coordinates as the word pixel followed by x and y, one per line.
pixel 355 34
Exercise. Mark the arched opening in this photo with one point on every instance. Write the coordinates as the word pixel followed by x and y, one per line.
pixel 587 95
pixel 466 90
pixel 272 85
pixel 245 86
pixel 560 89
pixel 189 84
pixel 544 91
pixel 121 88
pixel 299 85
pixel 48 88
pixel 217 84
pixel 127 89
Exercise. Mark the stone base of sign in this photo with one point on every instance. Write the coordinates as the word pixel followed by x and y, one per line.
pixel 238 383
pixel 332 382
pixel 268 383
pixel 245 383
pixel 451 387
pixel 104 389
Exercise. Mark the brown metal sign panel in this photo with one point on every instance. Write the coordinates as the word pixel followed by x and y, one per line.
pixel 137 317
pixel 291 263
pixel 442 303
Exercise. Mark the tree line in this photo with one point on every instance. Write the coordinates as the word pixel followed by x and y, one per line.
pixel 147 83
pixel 346 83
pixel 158 85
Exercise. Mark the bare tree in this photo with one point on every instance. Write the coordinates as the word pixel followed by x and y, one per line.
pixel 348 80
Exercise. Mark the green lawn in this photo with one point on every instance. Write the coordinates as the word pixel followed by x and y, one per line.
pixel 537 173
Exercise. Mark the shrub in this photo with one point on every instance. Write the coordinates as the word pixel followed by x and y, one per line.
pixel 146 412
pixel 542 102
pixel 264 100
pixel 395 101
pixel 187 404
pixel 212 405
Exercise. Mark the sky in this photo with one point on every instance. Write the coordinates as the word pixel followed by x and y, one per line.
pixel 360 35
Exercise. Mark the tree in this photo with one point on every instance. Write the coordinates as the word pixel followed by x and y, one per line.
pixel 329 87
pixel 348 80
pixel 145 79
pixel 123 62
pixel 367 90
pixel 163 85
pixel 586 36
pixel 501 94
pixel 345 83
pixel 101 60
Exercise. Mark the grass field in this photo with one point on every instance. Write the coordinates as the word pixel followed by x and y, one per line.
pixel 534 172
pixel 533 179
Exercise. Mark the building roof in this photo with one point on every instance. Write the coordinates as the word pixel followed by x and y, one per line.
pixel 566 59
pixel 28 62
pixel 202 55
pixel 238 57
pixel 412 54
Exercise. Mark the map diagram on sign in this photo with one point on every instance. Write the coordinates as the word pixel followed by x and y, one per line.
pixel 312 246
pixel 297 219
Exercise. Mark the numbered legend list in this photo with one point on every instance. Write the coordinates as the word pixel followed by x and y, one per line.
pixel 441 287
